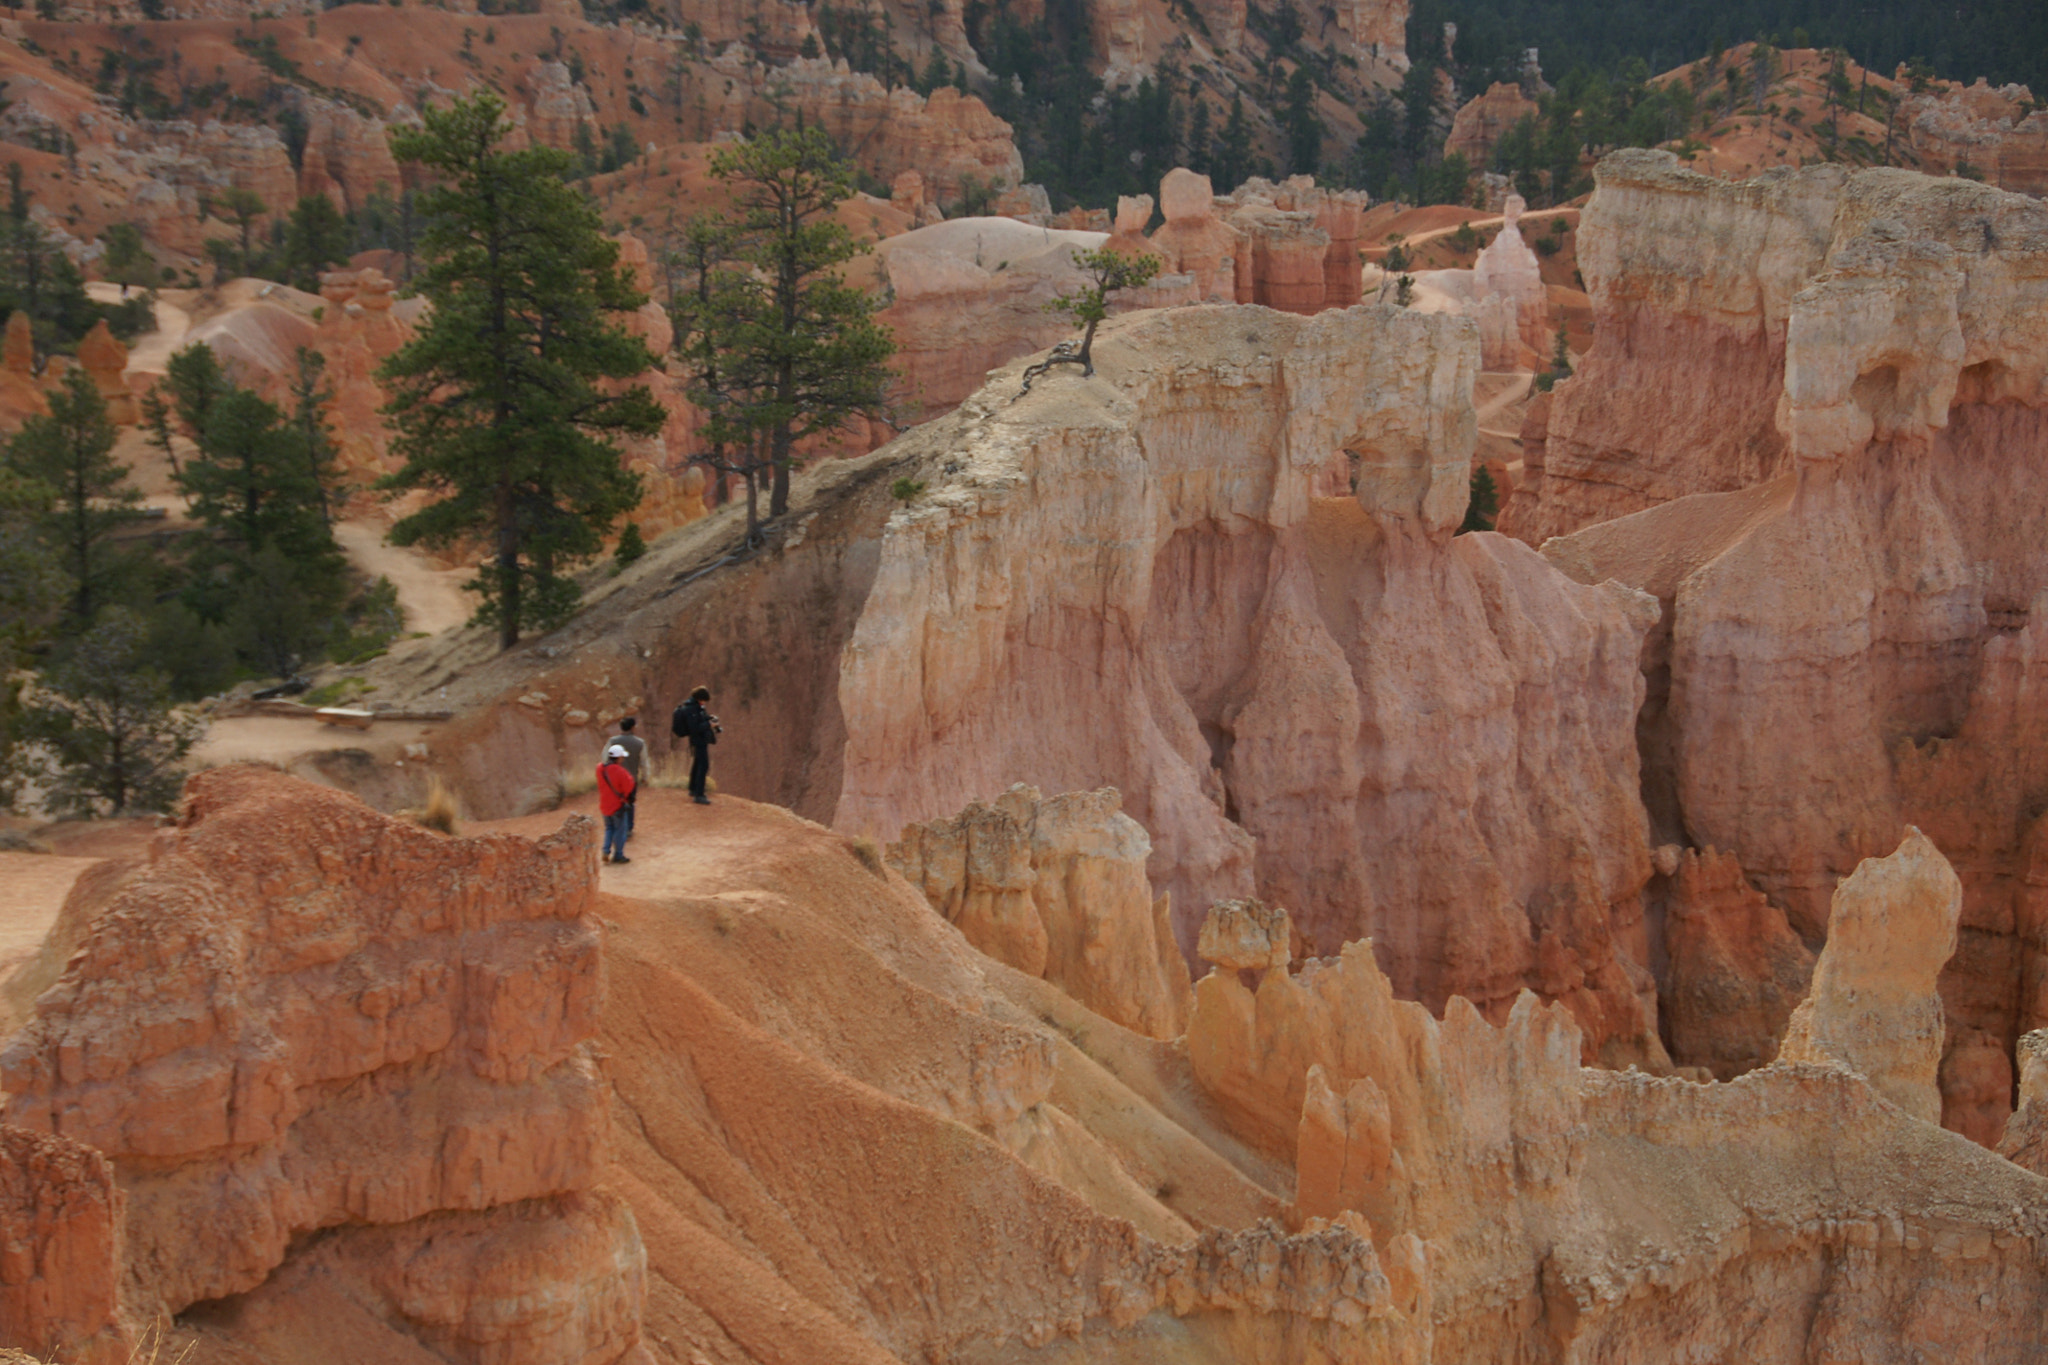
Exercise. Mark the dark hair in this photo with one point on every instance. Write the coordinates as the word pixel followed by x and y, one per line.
pixel 628 722
pixel 700 694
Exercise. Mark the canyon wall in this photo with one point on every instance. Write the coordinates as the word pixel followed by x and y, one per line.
pixel 1691 277
pixel 361 1029
pixel 1220 577
pixel 1852 646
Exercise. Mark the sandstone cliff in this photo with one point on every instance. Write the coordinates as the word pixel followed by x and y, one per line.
pixel 362 1029
pixel 1852 647
pixel 1102 587
pixel 1056 888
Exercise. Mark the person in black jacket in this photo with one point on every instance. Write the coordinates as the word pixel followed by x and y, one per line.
pixel 694 722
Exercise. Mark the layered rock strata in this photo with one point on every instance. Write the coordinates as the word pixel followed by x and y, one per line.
pixel 1056 888
pixel 1271 643
pixel 251 1015
pixel 1852 647
pixel 1997 135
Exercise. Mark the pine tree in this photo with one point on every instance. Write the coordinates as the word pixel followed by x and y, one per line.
pixel 804 341
pixel 1234 155
pixel 126 260
pixel 69 453
pixel 1199 137
pixel 104 714
pixel 496 403
pixel 1108 272
pixel 1484 504
pixel 1304 129
pixel 37 278
pixel 310 398
pixel 316 238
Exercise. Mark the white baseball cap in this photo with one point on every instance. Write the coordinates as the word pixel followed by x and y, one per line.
pixel 616 751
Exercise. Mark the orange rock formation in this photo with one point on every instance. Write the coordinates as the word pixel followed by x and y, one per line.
pixel 362 1027
pixel 1056 888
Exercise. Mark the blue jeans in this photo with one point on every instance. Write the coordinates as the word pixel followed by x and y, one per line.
pixel 616 828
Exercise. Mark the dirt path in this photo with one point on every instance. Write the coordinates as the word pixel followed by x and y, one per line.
pixel 1476 224
pixel 678 848
pixel 32 890
pixel 1505 399
pixel 150 351
pixel 431 595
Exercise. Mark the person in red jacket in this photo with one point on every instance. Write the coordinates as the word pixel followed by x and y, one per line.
pixel 614 792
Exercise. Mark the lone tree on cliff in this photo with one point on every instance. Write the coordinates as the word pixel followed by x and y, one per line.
pixel 798 350
pixel 1108 270
pixel 496 402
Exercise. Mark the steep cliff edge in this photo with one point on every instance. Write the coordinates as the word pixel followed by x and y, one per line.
pixel 1220 576
pixel 1856 647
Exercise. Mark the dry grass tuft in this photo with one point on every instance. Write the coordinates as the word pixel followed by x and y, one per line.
pixel 442 813
pixel 869 856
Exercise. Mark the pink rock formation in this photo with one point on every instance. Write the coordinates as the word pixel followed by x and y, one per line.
pixel 1056 888
pixel 2025 1141
pixel 1247 700
pixel 1484 120
pixel 20 395
pixel 947 138
pixel 1511 305
pixel 1692 276
pixel 1873 1006
pixel 1287 252
pixel 1854 647
pixel 347 156
pixel 359 1024
pixel 1193 241
pixel 2001 135
pixel 1736 968
pixel 60 1220
pixel 1617 1210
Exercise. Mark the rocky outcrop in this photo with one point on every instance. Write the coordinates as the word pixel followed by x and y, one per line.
pixel 1484 120
pixel 1855 647
pixel 1634 1217
pixel 1510 303
pixel 1300 244
pixel 1873 1007
pixel 60 1218
pixel 347 156
pixel 251 1015
pixel 1735 968
pixel 1194 241
pixel 1056 888
pixel 969 295
pixel 1246 935
pixel 948 138
pixel 104 358
pixel 1997 135
pixel 1162 579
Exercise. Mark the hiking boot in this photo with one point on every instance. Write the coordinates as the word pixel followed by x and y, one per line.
pixel 622 858
pixel 701 800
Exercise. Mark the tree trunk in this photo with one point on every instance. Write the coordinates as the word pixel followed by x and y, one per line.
pixel 508 571
pixel 753 515
pixel 779 447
